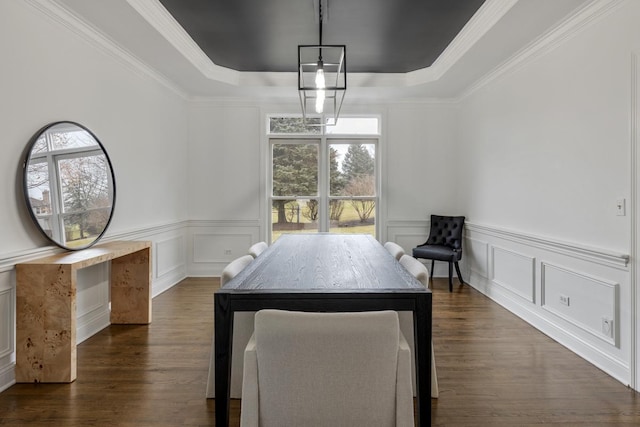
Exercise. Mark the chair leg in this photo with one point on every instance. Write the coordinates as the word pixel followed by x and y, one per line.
pixel 458 271
pixel 432 263
pixel 450 277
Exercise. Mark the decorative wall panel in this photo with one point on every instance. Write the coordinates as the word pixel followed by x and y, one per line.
pixel 219 247
pixel 169 255
pixel 6 324
pixel 515 272
pixel 475 253
pixel 587 302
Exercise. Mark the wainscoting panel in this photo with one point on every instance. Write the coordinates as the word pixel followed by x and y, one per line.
pixel 170 255
pixel 515 272
pixel 215 248
pixel 578 295
pixel 92 300
pixel 6 325
pixel 587 302
pixel 407 234
pixel 476 255
pixel 213 244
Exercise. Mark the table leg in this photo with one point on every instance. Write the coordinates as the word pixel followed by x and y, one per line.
pixel 131 288
pixel 45 324
pixel 422 331
pixel 223 331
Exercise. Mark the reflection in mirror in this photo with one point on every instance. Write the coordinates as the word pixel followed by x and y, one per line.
pixel 69 185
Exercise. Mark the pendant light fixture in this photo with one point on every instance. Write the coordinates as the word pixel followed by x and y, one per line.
pixel 322 77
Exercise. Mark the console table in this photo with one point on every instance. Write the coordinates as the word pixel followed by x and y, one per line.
pixel 46 305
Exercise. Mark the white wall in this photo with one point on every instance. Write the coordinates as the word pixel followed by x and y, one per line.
pixel 225 182
pixel 544 152
pixel 227 173
pixel 420 168
pixel 52 71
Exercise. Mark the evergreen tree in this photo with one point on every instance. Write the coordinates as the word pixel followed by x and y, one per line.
pixel 357 162
pixel 295 173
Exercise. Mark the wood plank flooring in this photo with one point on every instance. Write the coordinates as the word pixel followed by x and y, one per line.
pixel 493 370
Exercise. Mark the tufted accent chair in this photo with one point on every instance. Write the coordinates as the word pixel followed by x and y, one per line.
pixel 444 244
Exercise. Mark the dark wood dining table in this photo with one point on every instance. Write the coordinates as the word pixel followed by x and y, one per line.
pixel 327 273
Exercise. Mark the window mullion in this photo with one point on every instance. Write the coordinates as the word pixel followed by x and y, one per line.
pixel 323 183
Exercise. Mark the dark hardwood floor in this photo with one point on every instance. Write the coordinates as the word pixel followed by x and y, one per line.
pixel 493 370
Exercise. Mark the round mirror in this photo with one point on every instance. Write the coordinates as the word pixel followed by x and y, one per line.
pixel 69 185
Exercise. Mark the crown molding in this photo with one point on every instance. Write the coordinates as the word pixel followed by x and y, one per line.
pixel 481 22
pixel 61 15
pixel 157 15
pixel 548 41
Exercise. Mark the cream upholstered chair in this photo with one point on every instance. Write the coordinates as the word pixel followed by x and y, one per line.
pixel 242 330
pixel 420 272
pixel 394 249
pixel 326 369
pixel 257 249
pixel 416 268
pixel 234 267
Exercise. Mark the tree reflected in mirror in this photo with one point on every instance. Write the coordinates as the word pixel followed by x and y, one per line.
pixel 69 185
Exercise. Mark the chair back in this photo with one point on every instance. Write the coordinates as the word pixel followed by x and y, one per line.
pixel 329 369
pixel 416 268
pixel 394 249
pixel 446 231
pixel 234 267
pixel 257 249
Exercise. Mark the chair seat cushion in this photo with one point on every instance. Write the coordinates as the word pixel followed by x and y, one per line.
pixel 437 252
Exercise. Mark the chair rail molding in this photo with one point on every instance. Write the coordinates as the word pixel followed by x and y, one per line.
pixel 601 256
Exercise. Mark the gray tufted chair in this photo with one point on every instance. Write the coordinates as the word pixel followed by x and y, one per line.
pixel 444 244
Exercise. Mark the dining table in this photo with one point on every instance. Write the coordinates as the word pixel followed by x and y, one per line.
pixel 323 272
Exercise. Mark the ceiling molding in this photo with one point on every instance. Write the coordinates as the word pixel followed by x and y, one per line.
pixel 548 41
pixel 159 18
pixel 69 20
pixel 481 22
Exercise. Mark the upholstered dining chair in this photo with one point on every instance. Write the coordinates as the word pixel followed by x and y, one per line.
pixel 394 249
pixel 257 248
pixel 326 369
pixel 420 272
pixel 443 244
pixel 234 267
pixel 242 330
pixel 416 268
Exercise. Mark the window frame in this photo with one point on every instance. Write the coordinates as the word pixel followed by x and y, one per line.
pixel 324 142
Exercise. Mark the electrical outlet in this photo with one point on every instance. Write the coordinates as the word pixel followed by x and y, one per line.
pixel 227 251
pixel 564 300
pixel 607 326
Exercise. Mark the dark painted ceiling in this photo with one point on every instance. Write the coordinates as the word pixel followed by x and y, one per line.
pixel 382 36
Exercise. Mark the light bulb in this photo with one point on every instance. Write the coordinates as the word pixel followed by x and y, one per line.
pixel 320 84
pixel 319 101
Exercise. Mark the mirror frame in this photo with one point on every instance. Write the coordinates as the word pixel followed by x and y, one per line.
pixel 25 165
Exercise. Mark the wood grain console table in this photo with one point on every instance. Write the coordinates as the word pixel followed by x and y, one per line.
pixel 46 305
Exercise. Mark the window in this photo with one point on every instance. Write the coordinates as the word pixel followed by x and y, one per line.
pixel 323 178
